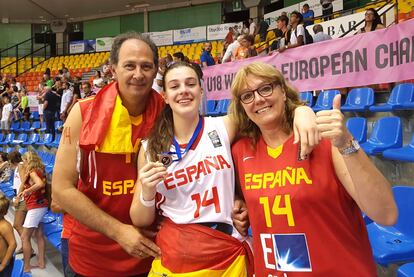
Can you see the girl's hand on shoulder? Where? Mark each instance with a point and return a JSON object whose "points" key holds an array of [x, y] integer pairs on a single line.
{"points": [[305, 130]]}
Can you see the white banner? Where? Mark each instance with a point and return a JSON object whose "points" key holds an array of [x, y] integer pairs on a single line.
{"points": [[162, 38], [315, 5], [190, 35], [336, 27], [76, 47], [104, 44], [219, 31]]}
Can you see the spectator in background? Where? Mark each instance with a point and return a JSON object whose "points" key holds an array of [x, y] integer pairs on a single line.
{"points": [[230, 54], [162, 64], [17, 84], [106, 70], [6, 114], [7, 239], [76, 96], [33, 184], [242, 51], [372, 21], [262, 31], [206, 58], [87, 89], [24, 104], [50, 109], [297, 36], [250, 44], [282, 25], [178, 57], [327, 9], [236, 31], [15, 160], [168, 59], [308, 15], [66, 101], [229, 37], [98, 81], [5, 169], [245, 29], [252, 27], [225, 45], [319, 34]]}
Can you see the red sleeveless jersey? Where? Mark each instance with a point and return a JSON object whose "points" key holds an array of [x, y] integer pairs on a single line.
{"points": [[108, 180], [303, 220], [38, 198]]}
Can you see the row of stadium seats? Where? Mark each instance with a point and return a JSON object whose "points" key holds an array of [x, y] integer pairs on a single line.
{"points": [[34, 140], [362, 99], [192, 50], [386, 138], [27, 126]]}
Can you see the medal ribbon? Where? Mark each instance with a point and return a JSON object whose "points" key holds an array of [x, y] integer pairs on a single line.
{"points": [[190, 143]]}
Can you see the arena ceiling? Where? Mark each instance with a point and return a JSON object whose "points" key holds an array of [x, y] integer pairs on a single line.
{"points": [[43, 11]]}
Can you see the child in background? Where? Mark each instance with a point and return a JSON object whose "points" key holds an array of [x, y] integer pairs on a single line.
{"points": [[6, 114], [7, 240]]}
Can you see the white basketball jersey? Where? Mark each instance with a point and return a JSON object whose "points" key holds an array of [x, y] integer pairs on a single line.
{"points": [[200, 187]]}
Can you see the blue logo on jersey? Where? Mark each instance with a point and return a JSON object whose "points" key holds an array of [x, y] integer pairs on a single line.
{"points": [[292, 253]]}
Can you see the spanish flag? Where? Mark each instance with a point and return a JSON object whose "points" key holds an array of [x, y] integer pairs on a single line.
{"points": [[106, 124], [199, 251]]}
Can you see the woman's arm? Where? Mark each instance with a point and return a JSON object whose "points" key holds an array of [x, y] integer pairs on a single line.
{"points": [[362, 180], [150, 174], [37, 184]]}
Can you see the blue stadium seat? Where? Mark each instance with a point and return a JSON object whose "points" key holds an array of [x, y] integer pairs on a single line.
{"points": [[359, 100], [32, 139], [307, 97], [47, 138], [43, 127], [34, 115], [55, 141], [395, 244], [219, 107], [17, 268], [35, 126], [325, 100], [55, 239], [225, 107], [24, 127], [386, 134], [22, 150], [211, 106], [406, 270], [15, 126], [400, 95], [20, 139], [405, 154], [58, 124], [358, 128], [9, 138]]}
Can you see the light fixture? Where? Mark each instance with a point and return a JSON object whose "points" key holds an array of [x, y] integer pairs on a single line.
{"points": [[143, 5]]}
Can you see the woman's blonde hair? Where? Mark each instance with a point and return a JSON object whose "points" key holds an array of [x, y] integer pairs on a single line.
{"points": [[33, 161], [270, 74]]}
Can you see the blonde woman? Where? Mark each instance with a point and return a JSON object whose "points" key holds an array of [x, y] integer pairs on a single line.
{"points": [[305, 213], [33, 189]]}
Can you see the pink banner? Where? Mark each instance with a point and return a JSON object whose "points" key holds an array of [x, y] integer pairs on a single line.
{"points": [[383, 56]]}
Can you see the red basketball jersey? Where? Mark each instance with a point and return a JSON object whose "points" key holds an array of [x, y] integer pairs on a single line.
{"points": [[108, 180], [303, 220]]}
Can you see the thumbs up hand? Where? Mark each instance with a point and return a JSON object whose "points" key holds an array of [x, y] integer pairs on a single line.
{"points": [[331, 125]]}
